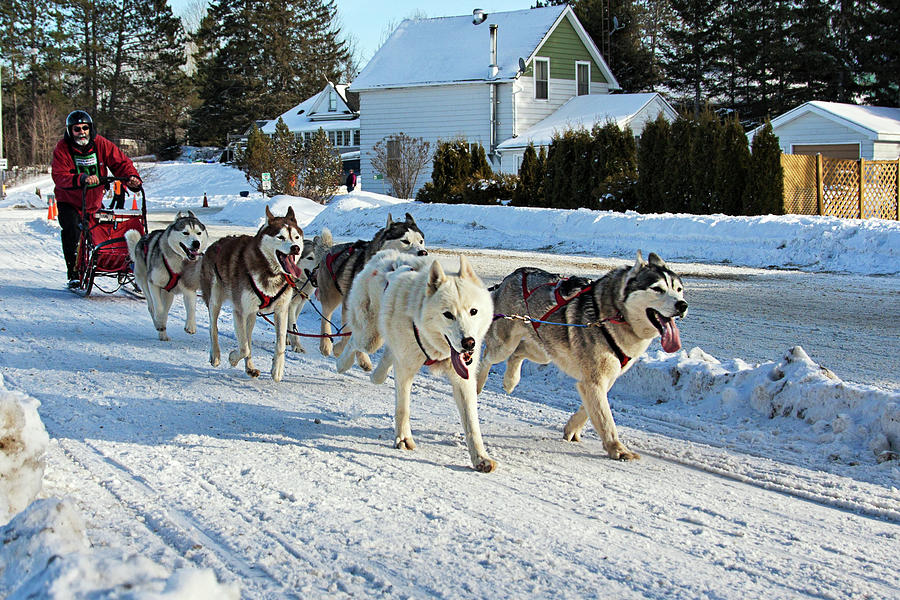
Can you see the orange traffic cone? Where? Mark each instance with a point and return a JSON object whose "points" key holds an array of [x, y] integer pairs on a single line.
{"points": [[134, 202], [55, 209], [51, 213], [205, 201]]}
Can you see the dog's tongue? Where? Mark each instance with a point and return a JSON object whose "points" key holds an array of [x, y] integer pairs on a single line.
{"points": [[458, 365], [288, 263], [671, 339]]}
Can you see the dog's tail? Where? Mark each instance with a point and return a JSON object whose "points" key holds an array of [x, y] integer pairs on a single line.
{"points": [[322, 243], [132, 238]]}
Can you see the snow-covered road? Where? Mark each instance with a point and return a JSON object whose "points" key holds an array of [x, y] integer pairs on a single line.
{"points": [[294, 490]]}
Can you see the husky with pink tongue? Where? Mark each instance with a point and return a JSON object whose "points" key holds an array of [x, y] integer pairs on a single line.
{"points": [[256, 274], [592, 330], [432, 318]]}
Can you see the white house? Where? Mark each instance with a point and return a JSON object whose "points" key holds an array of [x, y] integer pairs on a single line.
{"points": [[583, 112], [484, 78], [332, 110], [836, 130]]}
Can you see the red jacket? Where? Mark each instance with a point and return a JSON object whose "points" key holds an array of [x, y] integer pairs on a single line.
{"points": [[66, 176]]}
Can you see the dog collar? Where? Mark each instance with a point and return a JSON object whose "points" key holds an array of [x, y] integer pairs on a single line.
{"points": [[428, 359]]}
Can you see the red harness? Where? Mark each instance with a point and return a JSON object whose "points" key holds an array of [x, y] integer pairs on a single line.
{"points": [[173, 276], [331, 257], [561, 301], [266, 301]]}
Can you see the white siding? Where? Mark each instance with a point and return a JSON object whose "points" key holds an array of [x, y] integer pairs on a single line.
{"points": [[814, 129], [434, 113], [886, 151], [530, 111]]}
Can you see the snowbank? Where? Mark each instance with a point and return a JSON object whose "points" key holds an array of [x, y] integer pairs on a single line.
{"points": [[23, 443], [45, 552]]}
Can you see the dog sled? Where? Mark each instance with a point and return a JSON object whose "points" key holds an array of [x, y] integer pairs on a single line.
{"points": [[102, 253]]}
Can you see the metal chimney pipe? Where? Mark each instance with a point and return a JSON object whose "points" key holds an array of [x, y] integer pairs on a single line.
{"points": [[494, 67]]}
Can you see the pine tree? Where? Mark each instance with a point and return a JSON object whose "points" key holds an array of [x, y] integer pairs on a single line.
{"points": [[692, 59], [256, 158], [651, 188], [765, 191], [320, 169], [679, 166], [257, 57], [529, 191], [285, 159], [732, 167], [704, 152], [480, 167]]}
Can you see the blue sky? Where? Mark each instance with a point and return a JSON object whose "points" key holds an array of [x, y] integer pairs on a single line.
{"points": [[368, 20]]}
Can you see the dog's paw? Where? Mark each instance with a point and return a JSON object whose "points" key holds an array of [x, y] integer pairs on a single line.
{"points": [[618, 451], [163, 336], [485, 465], [252, 372], [214, 360], [510, 381], [296, 347], [364, 362], [191, 329], [234, 357], [325, 347], [278, 369], [405, 443], [572, 435]]}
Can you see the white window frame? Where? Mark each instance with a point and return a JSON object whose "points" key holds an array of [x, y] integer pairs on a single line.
{"points": [[579, 63], [545, 61], [332, 102]]}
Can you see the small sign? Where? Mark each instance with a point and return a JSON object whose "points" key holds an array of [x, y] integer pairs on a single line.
{"points": [[267, 177], [378, 176], [4, 163], [266, 184]]}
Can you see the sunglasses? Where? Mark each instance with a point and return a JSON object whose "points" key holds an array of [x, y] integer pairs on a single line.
{"points": [[76, 128]]}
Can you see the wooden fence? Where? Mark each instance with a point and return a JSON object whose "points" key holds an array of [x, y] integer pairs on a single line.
{"points": [[852, 189]]}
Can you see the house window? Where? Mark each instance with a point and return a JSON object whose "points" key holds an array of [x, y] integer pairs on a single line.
{"points": [[332, 102], [393, 156], [583, 78], [356, 137], [542, 79]]}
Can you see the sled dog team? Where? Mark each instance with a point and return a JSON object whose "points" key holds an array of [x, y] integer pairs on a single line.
{"points": [[393, 294]]}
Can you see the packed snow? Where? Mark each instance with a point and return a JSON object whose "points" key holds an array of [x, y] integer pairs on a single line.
{"points": [[131, 468]]}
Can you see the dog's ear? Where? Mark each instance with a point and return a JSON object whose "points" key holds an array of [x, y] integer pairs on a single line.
{"points": [[638, 264], [191, 214], [180, 215], [656, 261], [390, 221], [467, 272], [436, 277], [290, 214], [409, 219], [269, 215]]}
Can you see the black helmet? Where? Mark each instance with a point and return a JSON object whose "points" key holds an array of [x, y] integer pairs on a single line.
{"points": [[75, 117]]}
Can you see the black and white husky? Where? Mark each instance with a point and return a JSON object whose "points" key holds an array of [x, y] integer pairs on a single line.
{"points": [[166, 262], [338, 265], [592, 330]]}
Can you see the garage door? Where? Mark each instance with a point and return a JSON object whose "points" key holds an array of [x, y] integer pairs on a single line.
{"points": [[841, 151]]}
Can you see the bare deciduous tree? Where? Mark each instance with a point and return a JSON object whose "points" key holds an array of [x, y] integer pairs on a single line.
{"points": [[44, 131], [401, 158]]}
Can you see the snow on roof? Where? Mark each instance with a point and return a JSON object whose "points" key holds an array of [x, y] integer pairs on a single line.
{"points": [[298, 117], [878, 122], [582, 112], [453, 49]]}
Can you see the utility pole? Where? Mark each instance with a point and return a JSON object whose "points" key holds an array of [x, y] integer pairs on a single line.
{"points": [[2, 159]]}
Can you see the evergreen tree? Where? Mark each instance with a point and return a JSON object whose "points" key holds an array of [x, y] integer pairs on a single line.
{"points": [[731, 167], [530, 188], [320, 168], [704, 152], [692, 60], [651, 165], [765, 191], [679, 166], [256, 57], [256, 158], [615, 167], [285, 159], [480, 167], [879, 56]]}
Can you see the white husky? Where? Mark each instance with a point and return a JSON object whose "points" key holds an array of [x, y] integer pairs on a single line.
{"points": [[430, 318], [364, 304], [166, 262]]}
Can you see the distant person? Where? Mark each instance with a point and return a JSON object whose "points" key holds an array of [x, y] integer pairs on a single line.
{"points": [[79, 160], [351, 181], [118, 199]]}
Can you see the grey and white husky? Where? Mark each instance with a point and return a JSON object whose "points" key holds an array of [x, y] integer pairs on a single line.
{"points": [[593, 330], [338, 265], [306, 262], [256, 274], [166, 262]]}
